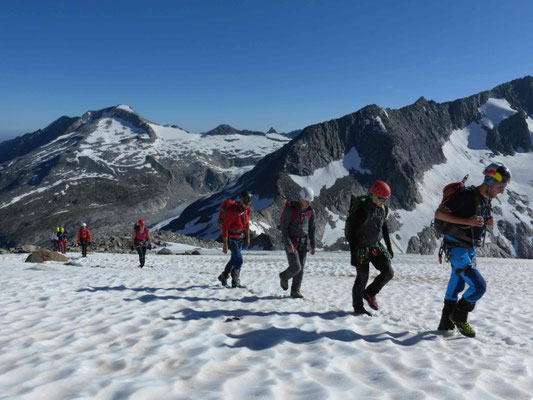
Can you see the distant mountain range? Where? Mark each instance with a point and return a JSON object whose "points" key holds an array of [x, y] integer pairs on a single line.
{"points": [[417, 149], [111, 167]]}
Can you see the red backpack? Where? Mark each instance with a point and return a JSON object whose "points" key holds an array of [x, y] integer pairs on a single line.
{"points": [[294, 205], [449, 190], [224, 206]]}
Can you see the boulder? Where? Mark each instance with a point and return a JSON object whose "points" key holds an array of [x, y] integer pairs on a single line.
{"points": [[45, 255], [164, 251]]}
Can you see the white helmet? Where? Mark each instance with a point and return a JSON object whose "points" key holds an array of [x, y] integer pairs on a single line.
{"points": [[306, 193], [83, 224]]}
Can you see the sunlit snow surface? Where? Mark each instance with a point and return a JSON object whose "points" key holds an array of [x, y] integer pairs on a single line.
{"points": [[107, 330]]}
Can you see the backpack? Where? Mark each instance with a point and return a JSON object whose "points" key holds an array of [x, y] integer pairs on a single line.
{"points": [[442, 227], [224, 206], [294, 205], [355, 204]]}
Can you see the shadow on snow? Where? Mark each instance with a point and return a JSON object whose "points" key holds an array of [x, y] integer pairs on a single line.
{"points": [[263, 339]]}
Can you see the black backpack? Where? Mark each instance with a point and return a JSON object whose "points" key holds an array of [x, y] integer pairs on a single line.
{"points": [[355, 203]]}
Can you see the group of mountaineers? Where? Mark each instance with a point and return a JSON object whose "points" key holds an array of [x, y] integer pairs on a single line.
{"points": [[462, 219]]}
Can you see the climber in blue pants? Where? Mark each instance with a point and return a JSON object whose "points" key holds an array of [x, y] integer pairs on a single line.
{"points": [[464, 217]]}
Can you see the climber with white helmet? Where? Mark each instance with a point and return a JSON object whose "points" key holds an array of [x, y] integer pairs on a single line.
{"points": [[297, 225]]}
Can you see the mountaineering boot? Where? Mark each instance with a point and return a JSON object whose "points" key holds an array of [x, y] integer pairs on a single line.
{"points": [[361, 311], [284, 283], [371, 301], [296, 294], [464, 328], [459, 316], [235, 278], [223, 279], [445, 323]]}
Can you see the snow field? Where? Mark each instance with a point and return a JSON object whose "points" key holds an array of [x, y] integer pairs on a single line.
{"points": [[106, 329]]}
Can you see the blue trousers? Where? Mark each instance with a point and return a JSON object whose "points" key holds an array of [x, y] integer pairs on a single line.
{"points": [[464, 271], [235, 246]]}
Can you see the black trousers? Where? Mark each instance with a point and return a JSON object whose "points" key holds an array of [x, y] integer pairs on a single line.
{"points": [[84, 245], [142, 253], [383, 265]]}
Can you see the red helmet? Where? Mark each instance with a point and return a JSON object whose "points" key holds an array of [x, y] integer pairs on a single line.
{"points": [[141, 222], [380, 189]]}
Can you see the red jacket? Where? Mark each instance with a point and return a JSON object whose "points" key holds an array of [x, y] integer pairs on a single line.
{"points": [[84, 235], [237, 221]]}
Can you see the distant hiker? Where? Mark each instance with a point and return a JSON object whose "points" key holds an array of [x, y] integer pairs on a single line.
{"points": [[141, 240], [55, 239], [466, 214], [297, 225], [365, 227], [234, 221], [84, 239], [62, 240]]}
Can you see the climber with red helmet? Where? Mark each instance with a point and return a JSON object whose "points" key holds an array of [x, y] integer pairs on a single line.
{"points": [[365, 227], [141, 240]]}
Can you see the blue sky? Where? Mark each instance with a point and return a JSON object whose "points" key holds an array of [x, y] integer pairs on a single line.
{"points": [[251, 63]]}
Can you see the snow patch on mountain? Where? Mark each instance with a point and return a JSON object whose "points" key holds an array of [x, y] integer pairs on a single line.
{"points": [[495, 111], [328, 175], [477, 137], [334, 228], [259, 227], [381, 124], [125, 108], [235, 145], [529, 121]]}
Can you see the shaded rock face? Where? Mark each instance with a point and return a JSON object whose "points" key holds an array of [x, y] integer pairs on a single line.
{"points": [[397, 146], [45, 255], [109, 168]]}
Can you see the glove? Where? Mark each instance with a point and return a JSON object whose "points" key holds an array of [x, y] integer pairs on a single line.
{"points": [[149, 246], [391, 253], [131, 247]]}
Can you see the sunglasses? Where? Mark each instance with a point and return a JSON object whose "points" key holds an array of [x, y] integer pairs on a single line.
{"points": [[382, 198]]}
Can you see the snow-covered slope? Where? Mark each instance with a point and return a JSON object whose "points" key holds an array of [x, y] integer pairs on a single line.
{"points": [[104, 329]]}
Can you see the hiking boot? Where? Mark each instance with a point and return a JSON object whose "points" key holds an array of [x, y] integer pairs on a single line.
{"points": [[236, 278], [445, 324], [464, 328], [372, 303], [223, 279], [284, 283], [361, 311], [296, 294]]}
